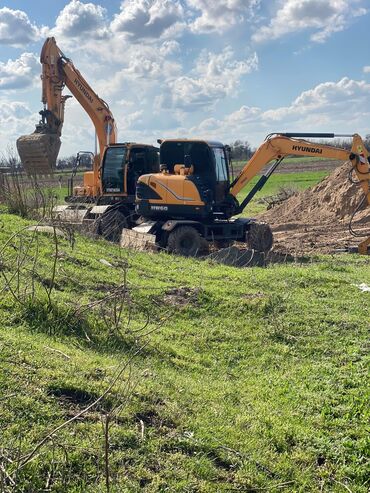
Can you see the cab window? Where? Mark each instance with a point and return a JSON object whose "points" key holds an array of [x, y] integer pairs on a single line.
{"points": [[113, 169], [153, 161], [221, 164]]}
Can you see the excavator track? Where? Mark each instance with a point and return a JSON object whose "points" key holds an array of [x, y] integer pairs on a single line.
{"points": [[39, 152]]}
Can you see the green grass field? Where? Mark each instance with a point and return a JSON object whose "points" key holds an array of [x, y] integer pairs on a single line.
{"points": [[295, 181], [239, 380]]}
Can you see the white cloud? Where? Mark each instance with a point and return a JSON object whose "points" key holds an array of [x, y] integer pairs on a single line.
{"points": [[366, 69], [335, 99], [324, 16], [13, 110], [147, 18], [20, 73], [342, 106], [16, 119], [169, 47], [221, 15], [146, 70], [79, 19], [215, 76], [16, 29]]}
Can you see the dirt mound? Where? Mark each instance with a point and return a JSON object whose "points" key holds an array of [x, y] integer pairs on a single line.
{"points": [[317, 218], [334, 198]]}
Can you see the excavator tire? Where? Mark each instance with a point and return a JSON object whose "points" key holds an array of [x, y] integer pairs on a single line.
{"points": [[259, 237], [111, 224], [38, 152], [185, 240]]}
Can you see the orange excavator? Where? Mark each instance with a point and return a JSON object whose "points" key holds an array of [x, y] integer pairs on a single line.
{"points": [[192, 200], [116, 167], [39, 150]]}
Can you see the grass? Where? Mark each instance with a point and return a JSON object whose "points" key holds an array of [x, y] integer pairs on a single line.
{"points": [[296, 181], [251, 380]]}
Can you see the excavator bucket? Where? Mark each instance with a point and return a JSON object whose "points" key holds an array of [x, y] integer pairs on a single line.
{"points": [[39, 152]]}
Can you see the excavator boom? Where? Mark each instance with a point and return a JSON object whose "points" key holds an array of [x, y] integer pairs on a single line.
{"points": [[282, 145], [39, 150]]}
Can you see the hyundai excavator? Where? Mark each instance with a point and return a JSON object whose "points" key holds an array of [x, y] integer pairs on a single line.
{"points": [[112, 182], [191, 201]]}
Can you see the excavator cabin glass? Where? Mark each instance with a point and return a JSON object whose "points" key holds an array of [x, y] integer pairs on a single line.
{"points": [[137, 160], [113, 169], [208, 161]]}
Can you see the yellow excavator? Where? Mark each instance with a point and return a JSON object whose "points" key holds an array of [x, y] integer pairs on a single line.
{"points": [[192, 200], [111, 184]]}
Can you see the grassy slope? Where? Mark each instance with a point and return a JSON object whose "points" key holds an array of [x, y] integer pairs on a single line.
{"points": [[257, 382]]}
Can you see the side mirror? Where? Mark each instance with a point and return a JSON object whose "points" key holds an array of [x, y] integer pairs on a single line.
{"points": [[187, 161]]}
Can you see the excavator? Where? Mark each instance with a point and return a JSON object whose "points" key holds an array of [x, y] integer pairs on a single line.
{"points": [[111, 184], [192, 202]]}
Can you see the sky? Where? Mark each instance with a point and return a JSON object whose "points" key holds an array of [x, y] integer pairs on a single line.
{"points": [[220, 69]]}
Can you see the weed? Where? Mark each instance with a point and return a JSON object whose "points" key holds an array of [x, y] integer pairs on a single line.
{"points": [[258, 382]]}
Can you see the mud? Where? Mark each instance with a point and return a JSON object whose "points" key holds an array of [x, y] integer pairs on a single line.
{"points": [[317, 219], [181, 296]]}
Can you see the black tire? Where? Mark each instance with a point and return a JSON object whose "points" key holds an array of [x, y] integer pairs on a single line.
{"points": [[111, 224], [185, 240], [259, 237]]}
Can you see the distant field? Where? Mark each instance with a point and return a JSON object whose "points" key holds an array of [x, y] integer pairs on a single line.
{"points": [[297, 164], [298, 181]]}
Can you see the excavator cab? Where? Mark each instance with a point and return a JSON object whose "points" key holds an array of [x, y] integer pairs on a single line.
{"points": [[194, 180], [206, 161], [122, 165]]}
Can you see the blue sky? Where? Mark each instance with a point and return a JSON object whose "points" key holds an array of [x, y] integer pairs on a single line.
{"points": [[220, 69]]}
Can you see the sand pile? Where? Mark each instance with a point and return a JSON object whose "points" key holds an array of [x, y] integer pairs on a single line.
{"points": [[318, 218], [335, 198]]}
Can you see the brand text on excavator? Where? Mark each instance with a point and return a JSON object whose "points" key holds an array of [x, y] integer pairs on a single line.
{"points": [[83, 90], [307, 149]]}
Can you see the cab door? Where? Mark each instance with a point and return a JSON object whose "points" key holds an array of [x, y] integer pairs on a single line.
{"points": [[222, 174], [113, 170]]}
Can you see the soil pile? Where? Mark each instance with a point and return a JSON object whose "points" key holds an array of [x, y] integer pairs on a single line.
{"points": [[317, 219]]}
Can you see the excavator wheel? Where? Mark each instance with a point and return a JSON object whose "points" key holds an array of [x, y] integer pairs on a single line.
{"points": [[111, 224], [259, 237], [186, 241]]}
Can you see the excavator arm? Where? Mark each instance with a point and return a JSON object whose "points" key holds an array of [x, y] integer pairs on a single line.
{"points": [[281, 145], [39, 151]]}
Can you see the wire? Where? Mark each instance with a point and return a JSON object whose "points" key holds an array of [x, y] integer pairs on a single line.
{"points": [[362, 201], [350, 227]]}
